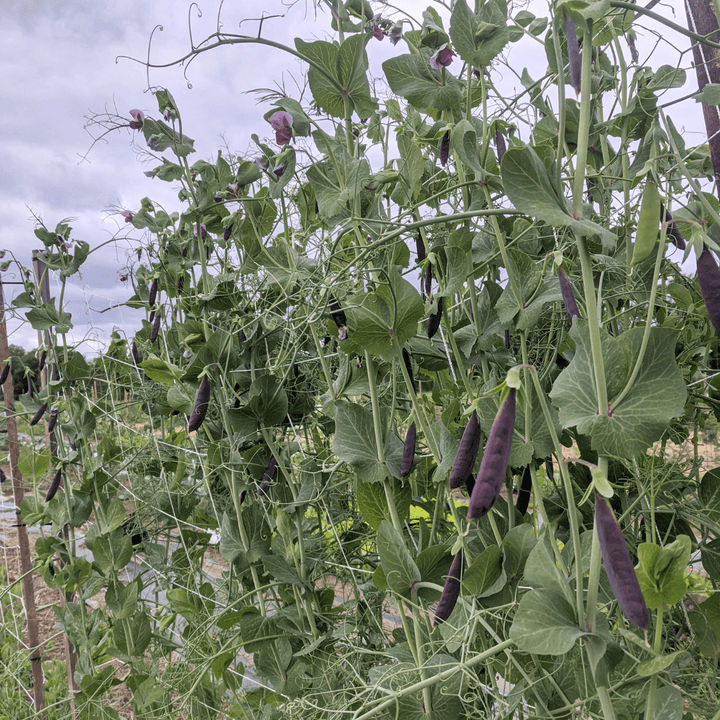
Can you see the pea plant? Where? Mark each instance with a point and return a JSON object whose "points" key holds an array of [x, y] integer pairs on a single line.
{"points": [[423, 364]]}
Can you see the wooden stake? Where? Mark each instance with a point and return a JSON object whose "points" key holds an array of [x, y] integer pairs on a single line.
{"points": [[28, 587]]}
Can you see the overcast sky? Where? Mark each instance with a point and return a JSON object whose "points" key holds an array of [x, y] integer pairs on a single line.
{"points": [[58, 61]]}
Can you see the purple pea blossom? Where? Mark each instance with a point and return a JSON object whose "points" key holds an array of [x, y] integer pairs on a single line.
{"points": [[395, 33], [154, 142], [442, 58], [137, 122], [203, 231], [127, 214], [281, 122], [378, 33]]}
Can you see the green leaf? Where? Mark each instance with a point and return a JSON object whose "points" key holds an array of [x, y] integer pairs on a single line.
{"points": [[709, 493], [272, 659], [347, 66], [33, 464], [399, 568], [479, 39], [517, 546], [161, 371], [668, 704], [354, 443], [412, 78], [463, 140], [133, 636], [445, 697], [411, 166], [180, 398], [710, 94], [658, 664], [372, 502], [483, 572], [387, 317], [266, 401], [661, 571], [657, 395], [122, 599], [710, 556], [545, 624], [530, 188], [542, 572], [231, 546], [112, 552]]}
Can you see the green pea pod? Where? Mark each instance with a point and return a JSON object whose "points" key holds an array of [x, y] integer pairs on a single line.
{"points": [[647, 230]]}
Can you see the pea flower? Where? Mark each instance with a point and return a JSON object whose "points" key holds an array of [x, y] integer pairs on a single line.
{"points": [[442, 58], [137, 122], [127, 214], [281, 122], [395, 33]]}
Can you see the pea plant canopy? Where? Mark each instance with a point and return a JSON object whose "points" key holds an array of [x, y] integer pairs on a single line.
{"points": [[414, 263]]}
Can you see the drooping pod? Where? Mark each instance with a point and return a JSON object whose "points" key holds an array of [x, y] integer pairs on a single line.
{"points": [[523, 498], [268, 476], [709, 279], [467, 453], [618, 565], [41, 362], [54, 485], [53, 420], [445, 148], [434, 320], [408, 367], [155, 329], [500, 144], [673, 233], [3, 477], [38, 415], [135, 354], [573, 48], [427, 287], [408, 455], [420, 247], [202, 401], [451, 590], [646, 236], [153, 293], [494, 464], [571, 306], [5, 373]]}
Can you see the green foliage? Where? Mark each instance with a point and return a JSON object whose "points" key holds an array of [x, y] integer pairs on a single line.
{"points": [[275, 545]]}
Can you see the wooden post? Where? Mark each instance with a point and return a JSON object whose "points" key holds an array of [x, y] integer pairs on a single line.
{"points": [[28, 587], [42, 282]]}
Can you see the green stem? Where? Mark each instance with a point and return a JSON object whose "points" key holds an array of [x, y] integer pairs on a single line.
{"points": [[434, 680], [657, 647], [583, 124], [648, 322]]}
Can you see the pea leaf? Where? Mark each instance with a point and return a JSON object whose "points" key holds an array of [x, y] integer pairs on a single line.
{"points": [[411, 77], [479, 38], [387, 317], [483, 572], [354, 443], [657, 395], [347, 64], [531, 190], [372, 502], [545, 624], [399, 568], [661, 572]]}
